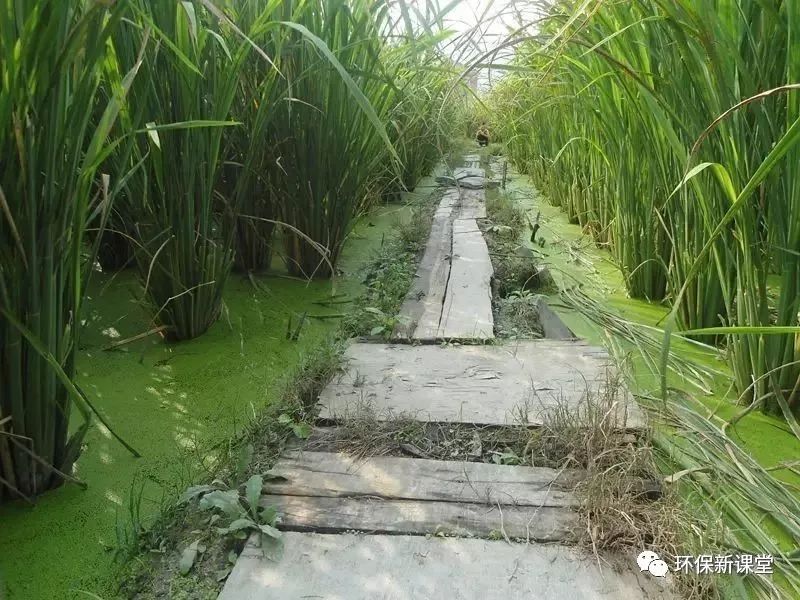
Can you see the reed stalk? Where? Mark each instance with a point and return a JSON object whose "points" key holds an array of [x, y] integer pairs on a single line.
{"points": [[53, 57], [645, 121]]}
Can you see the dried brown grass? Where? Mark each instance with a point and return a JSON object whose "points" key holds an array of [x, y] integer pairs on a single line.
{"points": [[624, 505]]}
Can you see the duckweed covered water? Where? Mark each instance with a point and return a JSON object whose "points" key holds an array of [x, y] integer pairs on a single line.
{"points": [[574, 259], [173, 403]]}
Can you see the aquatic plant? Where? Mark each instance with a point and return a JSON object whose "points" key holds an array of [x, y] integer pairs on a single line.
{"points": [[184, 95], [180, 134], [53, 56], [668, 130]]}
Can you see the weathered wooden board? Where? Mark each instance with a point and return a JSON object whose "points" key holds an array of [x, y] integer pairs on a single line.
{"points": [[491, 384], [467, 178], [467, 310], [472, 205], [462, 172], [444, 303], [417, 517], [422, 308], [378, 567], [471, 161], [552, 325], [337, 475]]}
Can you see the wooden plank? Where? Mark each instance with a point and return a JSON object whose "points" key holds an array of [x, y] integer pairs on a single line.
{"points": [[490, 384], [467, 178], [462, 172], [379, 567], [427, 312], [467, 310], [473, 205], [337, 475], [552, 325], [471, 161], [422, 308], [417, 517]]}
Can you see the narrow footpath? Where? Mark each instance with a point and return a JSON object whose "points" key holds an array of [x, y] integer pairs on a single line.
{"points": [[407, 528]]}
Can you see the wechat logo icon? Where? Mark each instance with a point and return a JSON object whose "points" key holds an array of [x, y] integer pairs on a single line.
{"points": [[650, 562]]}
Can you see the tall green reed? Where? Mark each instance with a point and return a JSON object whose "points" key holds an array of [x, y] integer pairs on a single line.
{"points": [[303, 113], [618, 109], [53, 56], [249, 157], [327, 130], [184, 226]]}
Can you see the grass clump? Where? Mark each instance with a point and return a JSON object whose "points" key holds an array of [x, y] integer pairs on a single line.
{"points": [[185, 249], [625, 505], [389, 275], [515, 268], [495, 149], [53, 56], [516, 271], [514, 261], [505, 214], [517, 316]]}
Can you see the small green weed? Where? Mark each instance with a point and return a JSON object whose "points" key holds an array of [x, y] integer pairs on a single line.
{"points": [[517, 315], [389, 276], [235, 514]]}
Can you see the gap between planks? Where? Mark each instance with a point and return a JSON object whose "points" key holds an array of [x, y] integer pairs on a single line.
{"points": [[416, 517]]}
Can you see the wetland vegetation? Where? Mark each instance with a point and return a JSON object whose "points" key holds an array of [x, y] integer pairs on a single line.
{"points": [[197, 196]]}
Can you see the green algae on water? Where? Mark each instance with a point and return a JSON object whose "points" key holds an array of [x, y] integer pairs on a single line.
{"points": [[173, 403]]}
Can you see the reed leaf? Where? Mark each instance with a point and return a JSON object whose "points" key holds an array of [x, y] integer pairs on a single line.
{"points": [[53, 57]]}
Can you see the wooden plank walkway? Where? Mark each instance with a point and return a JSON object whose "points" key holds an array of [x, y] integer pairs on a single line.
{"points": [[323, 491], [380, 567], [405, 504], [334, 475], [451, 294], [422, 308], [489, 385], [467, 309]]}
